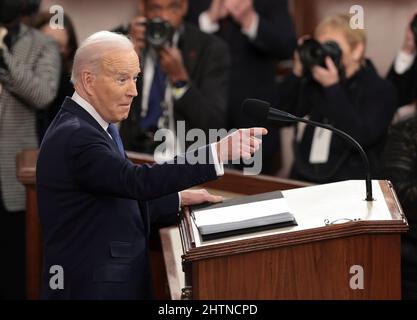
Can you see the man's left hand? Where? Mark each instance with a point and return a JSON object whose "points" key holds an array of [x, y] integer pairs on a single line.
{"points": [[326, 76], [171, 62], [193, 197]]}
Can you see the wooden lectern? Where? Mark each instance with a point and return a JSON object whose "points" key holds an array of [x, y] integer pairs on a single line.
{"points": [[343, 248]]}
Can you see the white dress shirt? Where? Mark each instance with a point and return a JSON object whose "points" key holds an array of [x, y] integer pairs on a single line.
{"points": [[91, 110]]}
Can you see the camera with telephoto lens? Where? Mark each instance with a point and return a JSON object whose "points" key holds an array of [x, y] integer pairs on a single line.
{"points": [[313, 53], [158, 32], [413, 27]]}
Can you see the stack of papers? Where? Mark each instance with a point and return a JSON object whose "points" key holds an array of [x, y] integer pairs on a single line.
{"points": [[242, 215]]}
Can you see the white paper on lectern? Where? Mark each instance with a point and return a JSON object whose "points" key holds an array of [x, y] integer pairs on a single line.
{"points": [[242, 212]]}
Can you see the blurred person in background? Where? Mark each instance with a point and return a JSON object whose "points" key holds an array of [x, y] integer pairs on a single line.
{"points": [[400, 167], [185, 77], [339, 87], [259, 34], [400, 154], [29, 77], [66, 39], [403, 72]]}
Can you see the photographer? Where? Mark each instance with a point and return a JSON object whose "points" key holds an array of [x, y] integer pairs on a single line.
{"points": [[403, 72], [333, 83], [29, 77], [185, 76], [259, 34], [400, 156], [399, 166]]}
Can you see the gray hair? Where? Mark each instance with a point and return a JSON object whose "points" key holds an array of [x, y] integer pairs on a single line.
{"points": [[92, 50]]}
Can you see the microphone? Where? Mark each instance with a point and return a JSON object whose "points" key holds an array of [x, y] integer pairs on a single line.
{"points": [[262, 111]]}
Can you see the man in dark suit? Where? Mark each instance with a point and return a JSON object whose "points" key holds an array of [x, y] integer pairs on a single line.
{"points": [[186, 79], [95, 206], [259, 33]]}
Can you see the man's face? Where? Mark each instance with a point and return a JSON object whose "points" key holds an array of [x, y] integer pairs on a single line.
{"points": [[172, 11], [114, 87]]}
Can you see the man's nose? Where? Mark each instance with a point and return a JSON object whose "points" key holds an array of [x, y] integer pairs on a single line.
{"points": [[132, 91]]}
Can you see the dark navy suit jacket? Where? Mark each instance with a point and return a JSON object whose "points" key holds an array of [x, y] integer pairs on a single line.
{"points": [[95, 207]]}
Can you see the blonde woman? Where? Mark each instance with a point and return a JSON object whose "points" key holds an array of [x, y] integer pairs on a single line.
{"points": [[346, 93]]}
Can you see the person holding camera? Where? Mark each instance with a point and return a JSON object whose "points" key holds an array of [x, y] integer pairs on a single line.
{"points": [[399, 166], [185, 76], [403, 72], [333, 83], [29, 77], [259, 34], [400, 156]]}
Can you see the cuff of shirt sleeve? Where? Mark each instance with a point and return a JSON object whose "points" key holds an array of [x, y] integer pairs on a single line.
{"points": [[403, 62], [178, 93], [206, 24], [179, 201], [218, 166], [252, 31]]}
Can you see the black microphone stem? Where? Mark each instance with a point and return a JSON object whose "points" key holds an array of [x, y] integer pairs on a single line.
{"points": [[345, 135]]}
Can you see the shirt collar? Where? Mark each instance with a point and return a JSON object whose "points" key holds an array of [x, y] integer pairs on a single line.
{"points": [[90, 109]]}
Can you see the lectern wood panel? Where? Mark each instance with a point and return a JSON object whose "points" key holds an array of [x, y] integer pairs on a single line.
{"points": [[303, 271]]}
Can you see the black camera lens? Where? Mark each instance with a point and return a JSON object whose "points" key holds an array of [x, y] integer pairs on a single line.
{"points": [[332, 49], [313, 53], [158, 32], [413, 27]]}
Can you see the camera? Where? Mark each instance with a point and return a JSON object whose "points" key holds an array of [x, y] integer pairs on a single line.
{"points": [[313, 53], [158, 32], [413, 27]]}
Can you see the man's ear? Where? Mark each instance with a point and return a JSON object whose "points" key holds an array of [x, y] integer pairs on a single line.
{"points": [[87, 80]]}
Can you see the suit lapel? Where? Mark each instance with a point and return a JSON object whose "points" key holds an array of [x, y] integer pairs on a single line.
{"points": [[72, 107]]}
